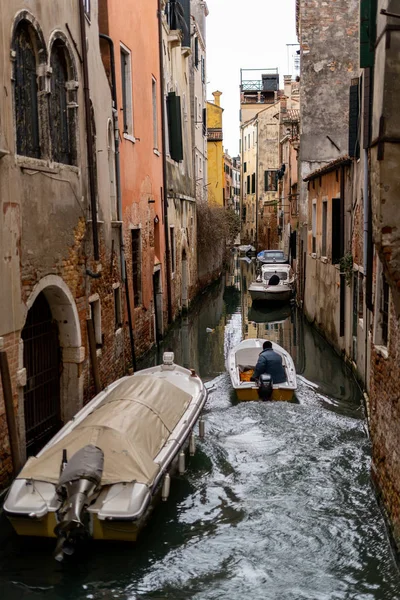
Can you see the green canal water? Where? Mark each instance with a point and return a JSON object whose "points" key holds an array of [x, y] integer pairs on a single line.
{"points": [[276, 504]]}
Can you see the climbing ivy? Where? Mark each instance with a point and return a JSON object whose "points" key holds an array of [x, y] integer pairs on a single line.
{"points": [[346, 267]]}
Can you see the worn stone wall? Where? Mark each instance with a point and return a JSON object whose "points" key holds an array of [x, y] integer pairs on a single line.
{"points": [[45, 230], [385, 422]]}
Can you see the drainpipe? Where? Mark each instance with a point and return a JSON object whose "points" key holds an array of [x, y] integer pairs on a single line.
{"points": [[164, 163], [366, 263], [110, 43], [89, 146], [257, 187]]}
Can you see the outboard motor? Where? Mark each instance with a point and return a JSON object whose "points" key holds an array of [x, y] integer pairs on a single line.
{"points": [[77, 487], [274, 279], [265, 387]]}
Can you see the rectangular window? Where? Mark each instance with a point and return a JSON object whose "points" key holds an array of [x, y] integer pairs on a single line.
{"points": [[136, 266], [196, 52], [385, 311], [248, 184], [360, 295], [155, 115], [248, 141], [336, 228], [354, 121], [95, 315], [245, 142], [126, 79], [174, 114], [324, 227], [172, 241], [314, 228], [196, 115], [117, 306], [203, 70], [270, 181], [204, 121], [253, 183], [244, 167]]}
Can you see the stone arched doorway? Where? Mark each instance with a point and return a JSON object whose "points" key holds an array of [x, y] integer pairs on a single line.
{"points": [[43, 363], [52, 359]]}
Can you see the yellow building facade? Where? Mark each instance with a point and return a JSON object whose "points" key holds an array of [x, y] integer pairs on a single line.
{"points": [[215, 151]]}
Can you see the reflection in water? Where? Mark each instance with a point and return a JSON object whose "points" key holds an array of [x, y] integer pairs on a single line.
{"points": [[276, 504]]}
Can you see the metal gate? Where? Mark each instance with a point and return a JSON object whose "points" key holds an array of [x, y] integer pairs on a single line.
{"points": [[42, 362]]}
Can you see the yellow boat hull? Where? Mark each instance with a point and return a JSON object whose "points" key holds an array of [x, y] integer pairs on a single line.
{"points": [[283, 395], [121, 531]]}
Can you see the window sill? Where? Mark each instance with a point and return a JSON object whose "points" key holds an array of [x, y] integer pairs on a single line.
{"points": [[129, 137], [98, 352], [382, 351], [324, 259], [118, 332], [115, 223], [156, 152], [313, 255]]}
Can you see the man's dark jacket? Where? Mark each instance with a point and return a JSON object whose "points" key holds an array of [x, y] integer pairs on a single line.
{"points": [[270, 362]]}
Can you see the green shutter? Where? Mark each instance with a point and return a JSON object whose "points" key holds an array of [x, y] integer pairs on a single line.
{"points": [[368, 10], [175, 126]]}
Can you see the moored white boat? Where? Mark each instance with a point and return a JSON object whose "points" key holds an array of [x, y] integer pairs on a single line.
{"points": [[241, 362], [275, 283], [120, 450]]}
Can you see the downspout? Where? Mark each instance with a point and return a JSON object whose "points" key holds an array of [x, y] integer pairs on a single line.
{"points": [[164, 163], [367, 275], [92, 183], [110, 43], [257, 186]]}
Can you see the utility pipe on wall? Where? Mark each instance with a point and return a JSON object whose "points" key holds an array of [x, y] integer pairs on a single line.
{"points": [[124, 276], [164, 163], [86, 93]]}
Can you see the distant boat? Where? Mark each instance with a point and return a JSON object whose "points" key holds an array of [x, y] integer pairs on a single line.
{"points": [[247, 249], [241, 363], [269, 257], [275, 283], [100, 476]]}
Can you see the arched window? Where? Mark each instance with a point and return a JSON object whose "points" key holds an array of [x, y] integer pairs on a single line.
{"points": [[26, 89], [59, 118]]}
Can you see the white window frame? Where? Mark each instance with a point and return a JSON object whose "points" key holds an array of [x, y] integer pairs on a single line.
{"points": [[155, 113], [95, 314], [127, 101]]}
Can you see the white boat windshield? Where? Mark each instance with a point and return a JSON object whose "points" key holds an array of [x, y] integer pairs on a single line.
{"points": [[283, 275]]}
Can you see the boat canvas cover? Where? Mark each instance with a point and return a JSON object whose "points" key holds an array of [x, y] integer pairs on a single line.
{"points": [[130, 425]]}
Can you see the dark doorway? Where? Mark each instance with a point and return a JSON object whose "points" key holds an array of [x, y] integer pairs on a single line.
{"points": [[42, 360]]}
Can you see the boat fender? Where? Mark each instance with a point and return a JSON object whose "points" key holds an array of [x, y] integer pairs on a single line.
{"points": [[202, 428], [181, 462], [192, 444], [166, 488]]}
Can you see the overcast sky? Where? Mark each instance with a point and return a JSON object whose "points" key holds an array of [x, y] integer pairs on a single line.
{"points": [[245, 34]]}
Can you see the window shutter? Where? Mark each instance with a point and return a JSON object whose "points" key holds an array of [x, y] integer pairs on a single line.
{"points": [[354, 109], [336, 254], [265, 181], [366, 107], [186, 30], [175, 126], [204, 121], [253, 183], [368, 10], [196, 52]]}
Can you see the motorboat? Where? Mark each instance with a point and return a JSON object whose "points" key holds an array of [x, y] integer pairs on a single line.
{"points": [[241, 363], [264, 313], [247, 250], [274, 283], [101, 475], [270, 257]]}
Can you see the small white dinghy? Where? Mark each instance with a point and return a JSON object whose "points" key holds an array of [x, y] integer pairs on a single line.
{"points": [[101, 474]]}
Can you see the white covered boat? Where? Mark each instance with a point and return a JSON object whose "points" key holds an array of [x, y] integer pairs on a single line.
{"points": [[275, 283], [241, 363], [100, 475]]}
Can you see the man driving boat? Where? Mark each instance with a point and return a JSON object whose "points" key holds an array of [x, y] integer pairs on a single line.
{"points": [[270, 362]]}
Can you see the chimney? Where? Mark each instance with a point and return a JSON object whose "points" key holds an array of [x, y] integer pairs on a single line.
{"points": [[217, 98], [287, 82]]}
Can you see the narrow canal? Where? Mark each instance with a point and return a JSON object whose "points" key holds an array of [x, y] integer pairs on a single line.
{"points": [[277, 503]]}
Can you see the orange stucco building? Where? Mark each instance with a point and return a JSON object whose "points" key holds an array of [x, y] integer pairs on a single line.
{"points": [[132, 26]]}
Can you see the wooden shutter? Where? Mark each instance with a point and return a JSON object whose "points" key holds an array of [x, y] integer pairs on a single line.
{"points": [[354, 120], [253, 183], [366, 117], [175, 126], [266, 188], [368, 10], [336, 253]]}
